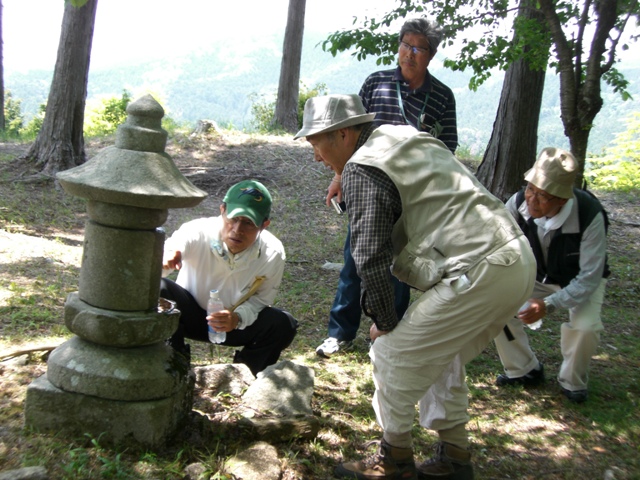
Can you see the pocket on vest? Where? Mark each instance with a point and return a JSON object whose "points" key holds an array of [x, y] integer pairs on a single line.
{"points": [[419, 272], [504, 257]]}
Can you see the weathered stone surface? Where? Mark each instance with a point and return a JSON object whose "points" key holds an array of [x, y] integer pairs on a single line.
{"points": [[277, 405], [196, 471], [156, 180], [281, 429], [283, 389], [259, 461], [136, 395], [129, 374], [121, 269], [145, 424], [206, 127], [26, 473], [142, 129], [232, 378], [121, 216], [136, 171], [118, 329]]}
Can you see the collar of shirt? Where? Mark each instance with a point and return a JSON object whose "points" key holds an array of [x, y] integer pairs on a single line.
{"points": [[426, 84], [364, 135]]}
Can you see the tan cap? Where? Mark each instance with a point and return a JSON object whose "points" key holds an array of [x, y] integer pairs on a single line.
{"points": [[554, 172], [332, 112]]}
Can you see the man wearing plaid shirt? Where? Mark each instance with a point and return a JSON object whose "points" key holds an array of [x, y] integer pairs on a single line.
{"points": [[405, 95], [418, 214]]}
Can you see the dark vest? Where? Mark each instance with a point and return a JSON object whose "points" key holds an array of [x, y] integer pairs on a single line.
{"points": [[563, 258]]}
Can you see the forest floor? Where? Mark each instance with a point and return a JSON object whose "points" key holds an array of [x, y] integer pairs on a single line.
{"points": [[515, 433]]}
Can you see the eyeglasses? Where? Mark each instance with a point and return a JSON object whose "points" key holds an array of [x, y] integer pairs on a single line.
{"points": [[541, 195], [415, 50]]}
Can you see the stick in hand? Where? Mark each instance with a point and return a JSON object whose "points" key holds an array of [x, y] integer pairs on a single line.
{"points": [[254, 287]]}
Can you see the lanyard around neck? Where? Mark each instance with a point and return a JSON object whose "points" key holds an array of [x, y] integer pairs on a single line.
{"points": [[401, 106]]}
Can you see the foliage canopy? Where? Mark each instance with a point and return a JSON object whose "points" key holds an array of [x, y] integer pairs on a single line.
{"points": [[586, 36], [482, 31]]}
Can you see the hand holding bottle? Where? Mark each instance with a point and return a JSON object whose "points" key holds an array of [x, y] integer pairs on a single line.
{"points": [[215, 308], [223, 320], [531, 313]]}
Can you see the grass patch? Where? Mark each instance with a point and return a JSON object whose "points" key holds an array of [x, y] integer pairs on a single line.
{"points": [[515, 433]]}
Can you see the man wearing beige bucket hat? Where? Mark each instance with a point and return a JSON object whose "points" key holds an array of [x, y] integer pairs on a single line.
{"points": [[418, 214], [567, 231]]}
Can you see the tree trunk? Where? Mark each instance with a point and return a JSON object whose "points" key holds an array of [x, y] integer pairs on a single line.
{"points": [[286, 114], [578, 141], [60, 142], [512, 148], [580, 84], [2, 119]]}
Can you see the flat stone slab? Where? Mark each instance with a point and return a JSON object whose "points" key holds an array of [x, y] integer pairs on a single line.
{"points": [[283, 389], [231, 378], [145, 424], [260, 460]]}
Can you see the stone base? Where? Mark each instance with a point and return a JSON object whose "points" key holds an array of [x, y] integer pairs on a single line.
{"points": [[146, 424]]}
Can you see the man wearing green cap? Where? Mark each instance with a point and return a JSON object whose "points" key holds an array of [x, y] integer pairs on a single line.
{"points": [[228, 253]]}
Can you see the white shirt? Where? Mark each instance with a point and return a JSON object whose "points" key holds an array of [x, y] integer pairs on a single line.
{"points": [[592, 250], [207, 264]]}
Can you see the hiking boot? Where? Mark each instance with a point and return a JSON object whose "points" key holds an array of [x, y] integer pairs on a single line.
{"points": [[533, 378], [333, 345], [576, 396], [449, 463], [388, 462]]}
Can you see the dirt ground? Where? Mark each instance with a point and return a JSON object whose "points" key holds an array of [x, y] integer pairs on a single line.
{"points": [[42, 245]]}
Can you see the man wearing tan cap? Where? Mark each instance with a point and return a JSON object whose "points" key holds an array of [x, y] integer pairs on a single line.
{"points": [[418, 214], [567, 231]]}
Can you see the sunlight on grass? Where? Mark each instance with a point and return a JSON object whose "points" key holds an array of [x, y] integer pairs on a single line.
{"points": [[515, 433]]}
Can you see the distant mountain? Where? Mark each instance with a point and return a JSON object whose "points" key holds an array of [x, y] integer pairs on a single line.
{"points": [[217, 84]]}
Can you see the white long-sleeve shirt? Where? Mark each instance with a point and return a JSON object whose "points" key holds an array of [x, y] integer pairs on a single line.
{"points": [[592, 250], [207, 264]]}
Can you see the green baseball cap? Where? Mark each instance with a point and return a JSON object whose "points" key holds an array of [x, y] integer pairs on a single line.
{"points": [[250, 199]]}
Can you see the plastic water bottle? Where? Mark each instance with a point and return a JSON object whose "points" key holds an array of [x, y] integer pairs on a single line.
{"points": [[215, 305], [534, 325]]}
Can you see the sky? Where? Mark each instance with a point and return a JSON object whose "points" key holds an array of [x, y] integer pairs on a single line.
{"points": [[131, 30], [127, 31]]}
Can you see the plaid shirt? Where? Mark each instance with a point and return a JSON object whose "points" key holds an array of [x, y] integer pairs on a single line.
{"points": [[379, 94], [374, 206]]}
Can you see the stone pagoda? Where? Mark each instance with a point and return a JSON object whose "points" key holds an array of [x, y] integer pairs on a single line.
{"points": [[116, 379]]}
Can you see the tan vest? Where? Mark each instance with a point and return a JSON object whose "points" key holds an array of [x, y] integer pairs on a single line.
{"points": [[449, 221]]}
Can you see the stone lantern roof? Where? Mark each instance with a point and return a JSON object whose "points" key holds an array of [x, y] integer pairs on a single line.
{"points": [[136, 171]]}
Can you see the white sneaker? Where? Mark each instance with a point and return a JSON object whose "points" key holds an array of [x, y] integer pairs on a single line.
{"points": [[333, 345]]}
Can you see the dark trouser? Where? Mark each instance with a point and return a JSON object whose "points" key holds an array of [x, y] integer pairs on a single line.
{"points": [[344, 317], [263, 341]]}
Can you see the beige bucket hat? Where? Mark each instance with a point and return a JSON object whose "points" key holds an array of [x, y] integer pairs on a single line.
{"points": [[331, 112], [554, 172]]}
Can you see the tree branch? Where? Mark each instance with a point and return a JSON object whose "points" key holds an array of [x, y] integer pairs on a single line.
{"points": [[19, 353]]}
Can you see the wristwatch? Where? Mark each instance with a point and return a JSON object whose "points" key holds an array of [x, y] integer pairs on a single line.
{"points": [[549, 307]]}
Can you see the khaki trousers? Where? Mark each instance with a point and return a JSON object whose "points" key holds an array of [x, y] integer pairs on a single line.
{"points": [[422, 359], [579, 339]]}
